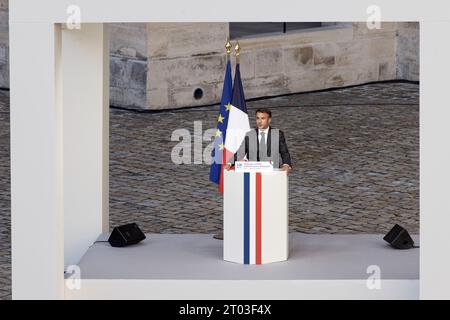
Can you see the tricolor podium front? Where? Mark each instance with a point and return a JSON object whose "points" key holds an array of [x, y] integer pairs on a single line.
{"points": [[256, 219]]}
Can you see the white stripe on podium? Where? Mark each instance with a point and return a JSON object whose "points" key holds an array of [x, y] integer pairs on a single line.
{"points": [[274, 218], [233, 224], [252, 218]]}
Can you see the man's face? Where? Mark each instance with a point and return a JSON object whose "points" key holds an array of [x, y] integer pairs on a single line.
{"points": [[262, 120]]}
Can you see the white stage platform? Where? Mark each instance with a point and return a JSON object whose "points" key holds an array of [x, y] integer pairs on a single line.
{"points": [[167, 266]]}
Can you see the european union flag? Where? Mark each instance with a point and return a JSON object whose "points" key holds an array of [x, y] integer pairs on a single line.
{"points": [[222, 123]]}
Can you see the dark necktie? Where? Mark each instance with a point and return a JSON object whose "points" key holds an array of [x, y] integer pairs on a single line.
{"points": [[263, 148]]}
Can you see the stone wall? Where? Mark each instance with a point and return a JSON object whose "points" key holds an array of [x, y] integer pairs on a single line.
{"points": [[128, 65], [184, 58], [408, 60], [318, 59], [4, 45], [161, 65]]}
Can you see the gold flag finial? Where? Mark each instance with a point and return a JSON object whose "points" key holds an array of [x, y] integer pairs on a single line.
{"points": [[228, 46], [237, 48]]}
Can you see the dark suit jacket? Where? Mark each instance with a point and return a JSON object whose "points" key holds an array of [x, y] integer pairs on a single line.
{"points": [[250, 144]]}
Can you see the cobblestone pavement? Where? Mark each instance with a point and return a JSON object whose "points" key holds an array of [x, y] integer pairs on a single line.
{"points": [[355, 156], [5, 199]]}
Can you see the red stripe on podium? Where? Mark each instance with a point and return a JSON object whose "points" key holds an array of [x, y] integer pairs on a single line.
{"points": [[258, 219]]}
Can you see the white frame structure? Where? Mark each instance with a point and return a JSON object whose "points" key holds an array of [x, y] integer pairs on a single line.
{"points": [[59, 146], [59, 143], [59, 156]]}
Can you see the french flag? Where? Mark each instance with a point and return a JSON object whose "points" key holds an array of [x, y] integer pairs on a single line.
{"points": [[238, 122], [232, 126]]}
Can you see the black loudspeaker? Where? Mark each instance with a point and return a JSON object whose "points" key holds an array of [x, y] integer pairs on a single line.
{"points": [[126, 235], [399, 238]]}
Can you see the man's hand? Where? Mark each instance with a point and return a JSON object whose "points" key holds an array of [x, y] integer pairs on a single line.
{"points": [[287, 168], [227, 166]]}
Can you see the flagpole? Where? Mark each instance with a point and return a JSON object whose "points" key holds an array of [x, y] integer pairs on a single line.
{"points": [[237, 49], [228, 46]]}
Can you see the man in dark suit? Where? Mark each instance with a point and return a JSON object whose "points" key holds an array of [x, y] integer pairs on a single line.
{"points": [[264, 143]]}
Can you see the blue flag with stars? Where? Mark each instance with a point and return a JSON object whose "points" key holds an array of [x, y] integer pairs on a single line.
{"points": [[222, 122]]}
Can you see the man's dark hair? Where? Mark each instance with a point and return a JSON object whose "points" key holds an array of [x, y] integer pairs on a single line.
{"points": [[264, 110]]}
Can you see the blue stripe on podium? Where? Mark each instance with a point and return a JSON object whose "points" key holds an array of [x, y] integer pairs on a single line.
{"points": [[246, 218]]}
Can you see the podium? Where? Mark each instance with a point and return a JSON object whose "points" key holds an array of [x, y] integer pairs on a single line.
{"points": [[256, 218]]}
